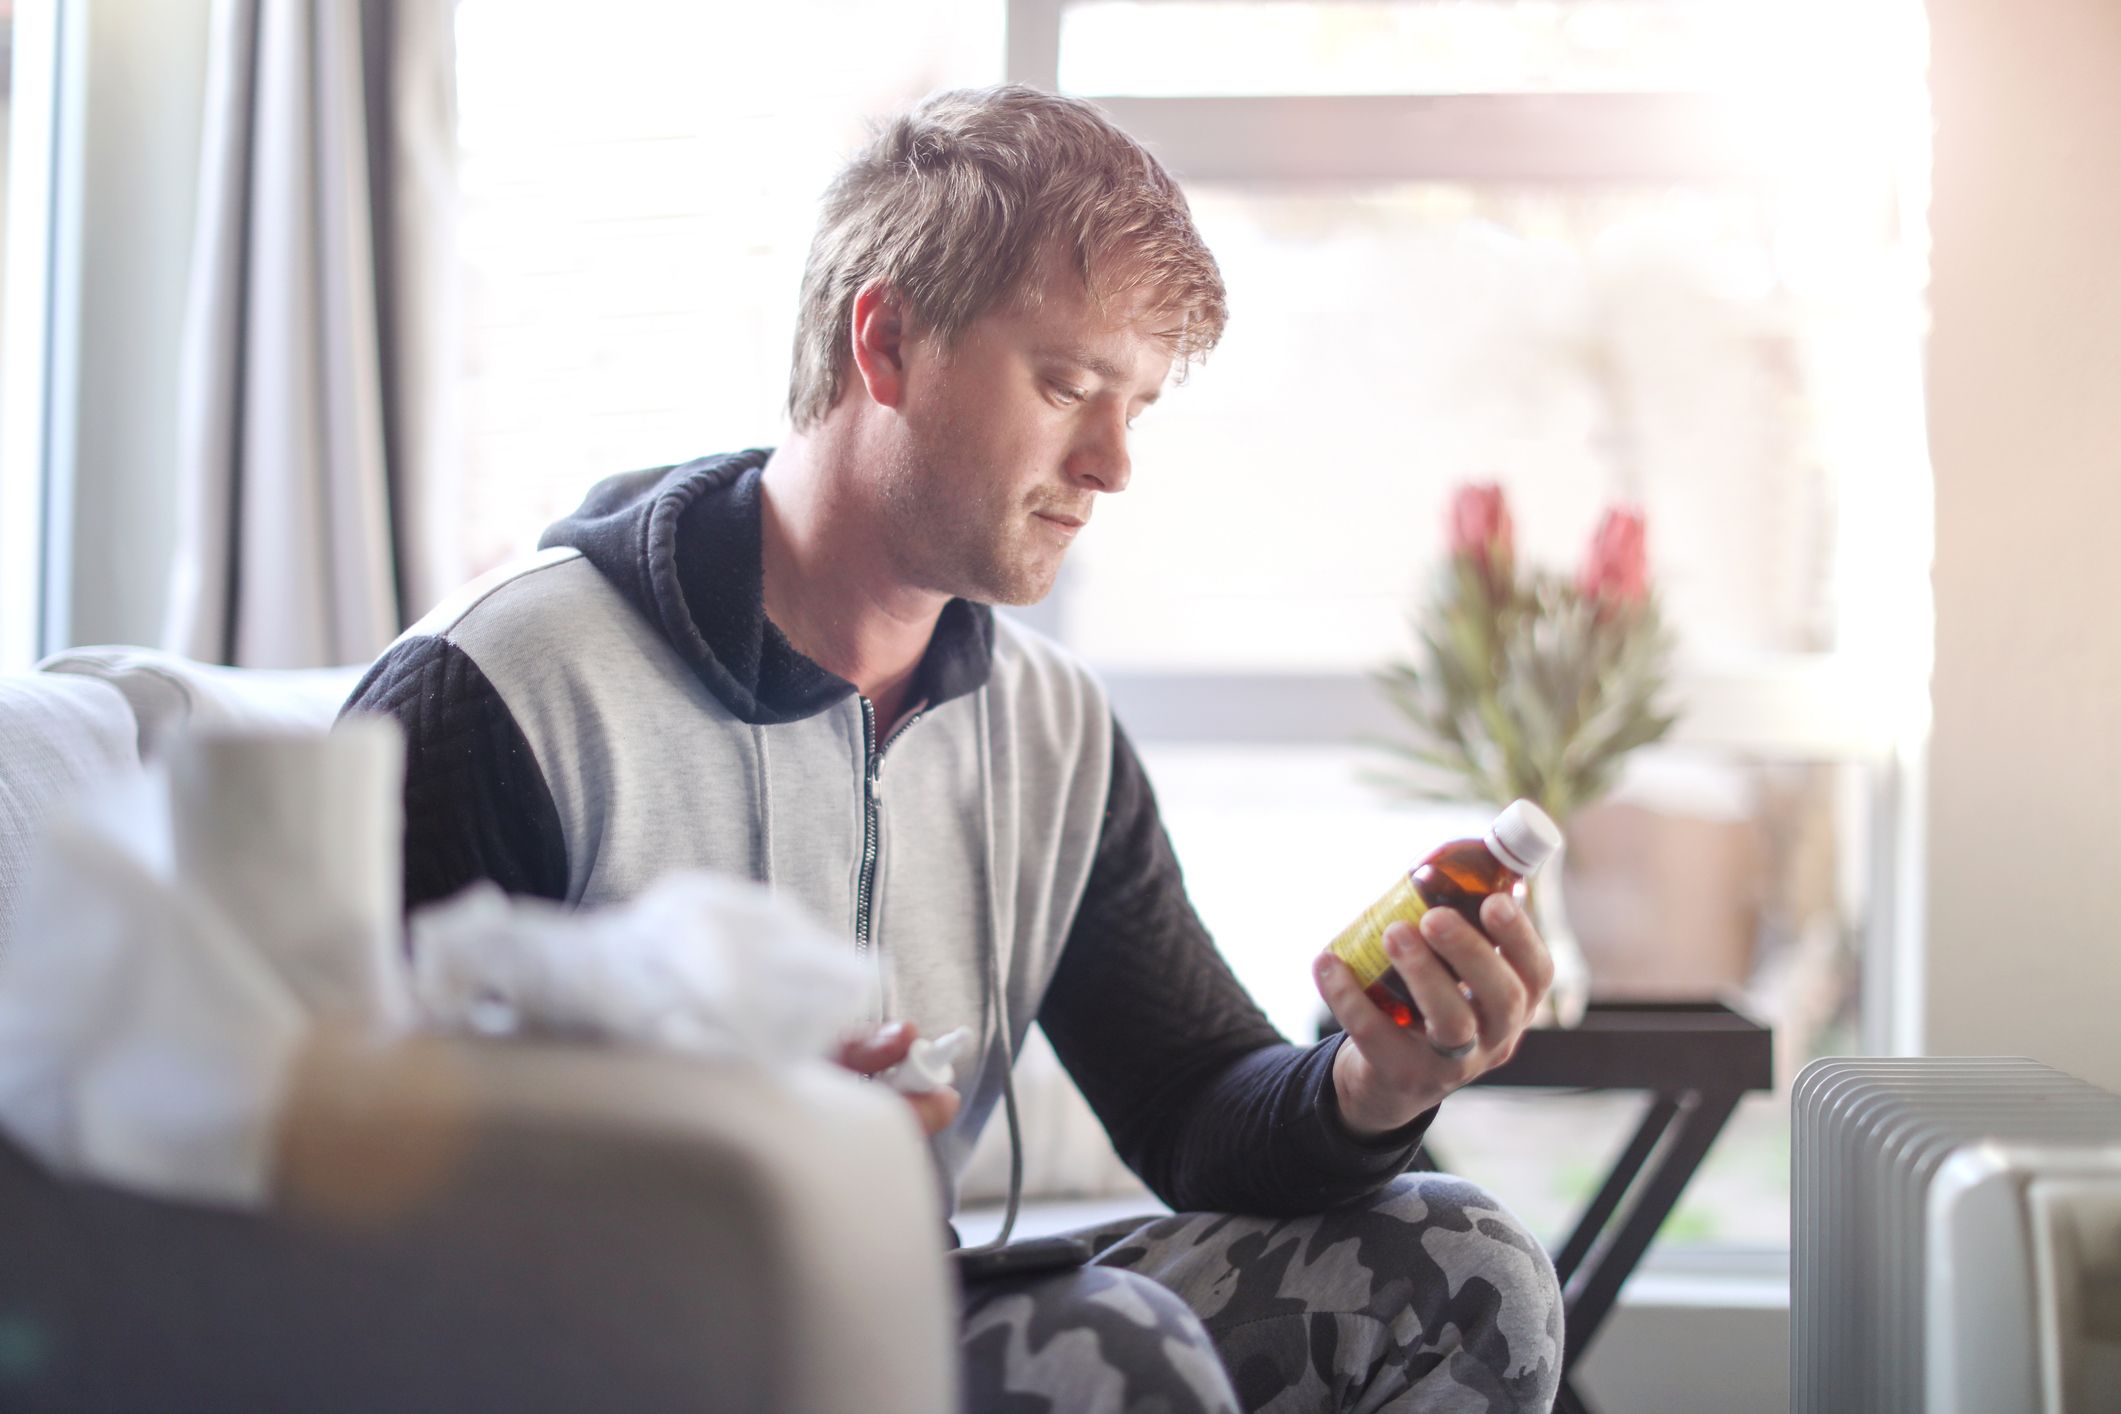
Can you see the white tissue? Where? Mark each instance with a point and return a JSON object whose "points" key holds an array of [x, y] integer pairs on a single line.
{"points": [[701, 962], [186, 931], [177, 938], [929, 1065]]}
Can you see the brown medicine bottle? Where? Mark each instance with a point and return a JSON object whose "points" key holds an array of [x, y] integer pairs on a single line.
{"points": [[1457, 875]]}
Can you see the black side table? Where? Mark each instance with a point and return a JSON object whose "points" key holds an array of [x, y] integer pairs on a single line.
{"points": [[1696, 1059]]}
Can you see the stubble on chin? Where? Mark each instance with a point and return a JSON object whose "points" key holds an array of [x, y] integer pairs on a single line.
{"points": [[1026, 581], [967, 549], [996, 563]]}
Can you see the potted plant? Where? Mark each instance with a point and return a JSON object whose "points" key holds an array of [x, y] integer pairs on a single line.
{"points": [[1529, 683]]}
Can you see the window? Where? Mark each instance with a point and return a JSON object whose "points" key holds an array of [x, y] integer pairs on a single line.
{"points": [[1392, 340], [1663, 250], [29, 55], [640, 186]]}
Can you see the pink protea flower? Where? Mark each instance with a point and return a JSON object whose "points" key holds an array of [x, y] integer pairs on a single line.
{"points": [[1616, 573], [1481, 531]]}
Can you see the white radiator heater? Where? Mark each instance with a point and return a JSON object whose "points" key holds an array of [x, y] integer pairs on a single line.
{"points": [[1955, 1239]]}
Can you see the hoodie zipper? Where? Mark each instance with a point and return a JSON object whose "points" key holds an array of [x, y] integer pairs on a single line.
{"points": [[872, 799]]}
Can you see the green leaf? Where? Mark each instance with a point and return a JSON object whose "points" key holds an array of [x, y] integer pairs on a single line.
{"points": [[1525, 692]]}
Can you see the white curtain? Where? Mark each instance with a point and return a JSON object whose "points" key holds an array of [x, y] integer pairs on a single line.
{"points": [[316, 455]]}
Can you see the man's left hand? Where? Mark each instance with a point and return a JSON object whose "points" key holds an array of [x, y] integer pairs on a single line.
{"points": [[872, 1052], [1469, 984]]}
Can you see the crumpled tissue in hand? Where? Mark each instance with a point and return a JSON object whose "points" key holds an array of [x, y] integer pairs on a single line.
{"points": [[704, 963]]}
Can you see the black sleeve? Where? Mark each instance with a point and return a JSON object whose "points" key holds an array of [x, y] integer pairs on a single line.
{"points": [[1201, 1095], [476, 804]]}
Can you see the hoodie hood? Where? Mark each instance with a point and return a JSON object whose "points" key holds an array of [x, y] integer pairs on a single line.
{"points": [[681, 543]]}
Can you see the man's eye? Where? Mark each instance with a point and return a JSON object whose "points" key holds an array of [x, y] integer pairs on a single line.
{"points": [[1067, 396]]}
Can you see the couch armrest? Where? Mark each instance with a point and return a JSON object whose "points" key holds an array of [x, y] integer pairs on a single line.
{"points": [[468, 1225]]}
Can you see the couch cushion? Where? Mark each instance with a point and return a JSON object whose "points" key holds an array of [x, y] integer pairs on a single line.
{"points": [[168, 693], [57, 736]]}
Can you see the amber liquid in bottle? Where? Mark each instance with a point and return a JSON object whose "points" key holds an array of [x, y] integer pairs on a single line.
{"points": [[1458, 876]]}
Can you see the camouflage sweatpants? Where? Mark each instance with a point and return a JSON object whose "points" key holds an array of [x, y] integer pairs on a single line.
{"points": [[1429, 1296]]}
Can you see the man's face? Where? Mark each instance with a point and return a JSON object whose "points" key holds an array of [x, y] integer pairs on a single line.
{"points": [[1006, 441]]}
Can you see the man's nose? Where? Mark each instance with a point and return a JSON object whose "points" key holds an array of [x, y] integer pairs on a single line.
{"points": [[1100, 461]]}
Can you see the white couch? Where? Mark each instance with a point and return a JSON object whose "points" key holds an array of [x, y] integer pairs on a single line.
{"points": [[466, 1225]]}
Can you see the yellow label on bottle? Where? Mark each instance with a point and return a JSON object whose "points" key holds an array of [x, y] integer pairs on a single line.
{"points": [[1362, 944]]}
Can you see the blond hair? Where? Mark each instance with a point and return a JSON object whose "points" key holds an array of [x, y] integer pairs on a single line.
{"points": [[953, 202]]}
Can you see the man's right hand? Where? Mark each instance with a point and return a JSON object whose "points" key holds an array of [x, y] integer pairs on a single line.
{"points": [[884, 1047]]}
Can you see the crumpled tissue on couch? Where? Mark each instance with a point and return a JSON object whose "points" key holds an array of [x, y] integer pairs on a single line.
{"points": [[187, 932]]}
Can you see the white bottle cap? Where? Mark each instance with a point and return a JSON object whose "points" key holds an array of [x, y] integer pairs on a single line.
{"points": [[1523, 837]]}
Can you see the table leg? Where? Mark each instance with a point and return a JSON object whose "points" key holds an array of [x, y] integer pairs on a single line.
{"points": [[1591, 1299], [1593, 1222]]}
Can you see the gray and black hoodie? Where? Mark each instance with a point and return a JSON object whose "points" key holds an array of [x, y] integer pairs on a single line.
{"points": [[619, 706]]}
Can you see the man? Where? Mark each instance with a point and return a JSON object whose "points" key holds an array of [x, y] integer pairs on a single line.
{"points": [[784, 664]]}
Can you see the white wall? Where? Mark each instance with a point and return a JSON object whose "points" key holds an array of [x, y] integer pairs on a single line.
{"points": [[145, 90], [2024, 896]]}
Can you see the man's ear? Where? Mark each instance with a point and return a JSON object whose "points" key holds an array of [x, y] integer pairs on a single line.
{"points": [[879, 333]]}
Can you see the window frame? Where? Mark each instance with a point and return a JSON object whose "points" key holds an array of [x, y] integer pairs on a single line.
{"points": [[41, 260]]}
